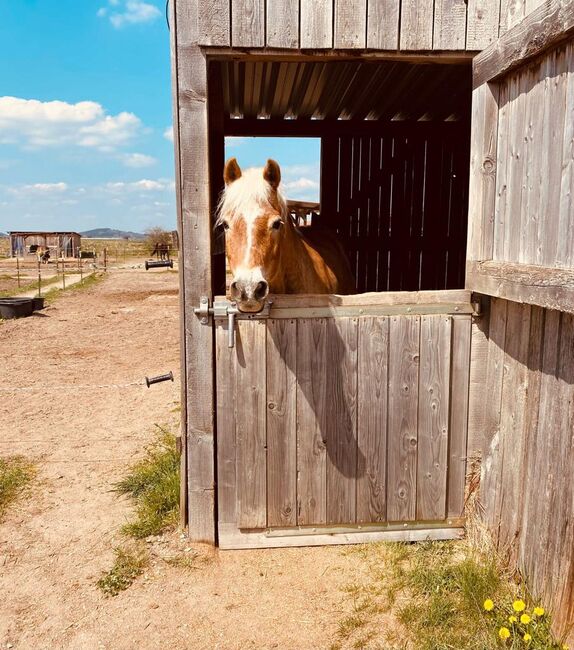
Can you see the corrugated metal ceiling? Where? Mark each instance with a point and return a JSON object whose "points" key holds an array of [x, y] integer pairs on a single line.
{"points": [[388, 90]]}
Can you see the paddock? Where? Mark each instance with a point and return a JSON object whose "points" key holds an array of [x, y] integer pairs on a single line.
{"points": [[447, 176], [60, 244]]}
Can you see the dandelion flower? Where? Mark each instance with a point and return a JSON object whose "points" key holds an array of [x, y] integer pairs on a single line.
{"points": [[518, 605], [539, 611], [565, 647], [512, 619], [488, 605], [504, 633], [525, 619], [527, 638]]}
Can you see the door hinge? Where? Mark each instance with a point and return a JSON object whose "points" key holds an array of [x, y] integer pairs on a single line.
{"points": [[223, 309]]}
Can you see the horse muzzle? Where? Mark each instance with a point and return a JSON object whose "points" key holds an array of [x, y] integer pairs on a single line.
{"points": [[249, 296]]}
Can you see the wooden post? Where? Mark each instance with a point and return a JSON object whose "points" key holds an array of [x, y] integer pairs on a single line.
{"points": [[195, 228], [18, 268], [39, 279], [105, 259], [63, 274]]}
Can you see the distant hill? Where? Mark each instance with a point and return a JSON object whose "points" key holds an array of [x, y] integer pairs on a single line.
{"points": [[3, 234], [111, 233]]}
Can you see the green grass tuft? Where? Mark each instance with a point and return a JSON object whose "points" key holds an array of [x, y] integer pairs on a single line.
{"points": [[15, 474], [128, 565], [154, 484]]}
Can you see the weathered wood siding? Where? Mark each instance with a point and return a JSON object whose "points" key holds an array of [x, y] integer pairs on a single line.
{"points": [[528, 448], [445, 25], [342, 421], [534, 205]]}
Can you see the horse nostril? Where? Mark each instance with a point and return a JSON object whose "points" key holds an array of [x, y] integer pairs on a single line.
{"points": [[234, 288], [260, 290]]}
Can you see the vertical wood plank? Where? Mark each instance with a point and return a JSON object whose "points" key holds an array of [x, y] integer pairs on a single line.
{"points": [[316, 24], [225, 412], [311, 421], [191, 135], [247, 23], [250, 408], [341, 419], [459, 404], [511, 447], [482, 24], [482, 193], [416, 24], [372, 399], [282, 23], [350, 24], [449, 25], [511, 13], [383, 24], [404, 350], [477, 387], [501, 212], [565, 254], [281, 423], [213, 23], [433, 416]]}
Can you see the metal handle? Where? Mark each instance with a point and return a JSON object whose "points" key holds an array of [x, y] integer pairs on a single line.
{"points": [[231, 329]]}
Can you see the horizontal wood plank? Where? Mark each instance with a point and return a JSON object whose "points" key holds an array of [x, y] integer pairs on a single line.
{"points": [[546, 27], [535, 285]]}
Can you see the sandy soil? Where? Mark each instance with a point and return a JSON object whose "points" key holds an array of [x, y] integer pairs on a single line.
{"points": [[56, 543]]}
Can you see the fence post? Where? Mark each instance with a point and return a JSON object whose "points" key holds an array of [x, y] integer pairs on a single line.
{"points": [[18, 268], [105, 259], [80, 264], [63, 273], [39, 279]]}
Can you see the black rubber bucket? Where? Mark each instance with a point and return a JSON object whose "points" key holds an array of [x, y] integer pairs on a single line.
{"points": [[16, 307]]}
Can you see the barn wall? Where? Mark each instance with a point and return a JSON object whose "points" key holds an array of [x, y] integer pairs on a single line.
{"points": [[528, 448], [408, 25], [535, 179]]}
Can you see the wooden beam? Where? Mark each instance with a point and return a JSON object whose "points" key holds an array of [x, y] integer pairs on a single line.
{"points": [[322, 128], [191, 135], [535, 285], [545, 27]]}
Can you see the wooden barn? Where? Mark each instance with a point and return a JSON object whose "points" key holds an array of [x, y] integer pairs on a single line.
{"points": [[60, 244], [447, 167]]}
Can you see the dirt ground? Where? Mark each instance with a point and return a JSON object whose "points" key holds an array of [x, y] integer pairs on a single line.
{"points": [[56, 543]]}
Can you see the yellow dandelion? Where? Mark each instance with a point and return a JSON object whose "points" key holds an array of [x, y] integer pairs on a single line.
{"points": [[527, 638], [488, 605], [518, 605], [565, 647], [512, 619], [525, 619], [539, 611], [504, 633]]}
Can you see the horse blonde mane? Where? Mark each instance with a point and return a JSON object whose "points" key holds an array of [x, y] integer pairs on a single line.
{"points": [[249, 192]]}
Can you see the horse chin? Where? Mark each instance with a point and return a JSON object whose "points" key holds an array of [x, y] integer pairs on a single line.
{"points": [[250, 306]]}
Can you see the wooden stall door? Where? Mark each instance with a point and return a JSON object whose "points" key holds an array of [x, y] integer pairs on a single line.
{"points": [[344, 419]]}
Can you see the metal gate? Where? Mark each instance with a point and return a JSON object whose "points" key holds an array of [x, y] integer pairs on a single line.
{"points": [[343, 419]]}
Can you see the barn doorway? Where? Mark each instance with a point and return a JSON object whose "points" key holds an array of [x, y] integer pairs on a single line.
{"points": [[344, 418], [394, 162]]}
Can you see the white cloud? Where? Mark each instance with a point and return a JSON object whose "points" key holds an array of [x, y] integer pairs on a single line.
{"points": [[233, 141], [33, 123], [143, 185], [301, 184], [132, 12], [168, 133], [39, 188], [138, 160]]}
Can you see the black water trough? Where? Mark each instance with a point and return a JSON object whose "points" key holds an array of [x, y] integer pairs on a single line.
{"points": [[153, 264], [16, 307], [38, 303]]}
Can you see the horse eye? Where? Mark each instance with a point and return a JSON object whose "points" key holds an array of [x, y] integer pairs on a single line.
{"points": [[277, 224], [225, 225]]}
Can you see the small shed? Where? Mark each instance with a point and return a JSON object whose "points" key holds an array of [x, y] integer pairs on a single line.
{"points": [[66, 244], [447, 172]]}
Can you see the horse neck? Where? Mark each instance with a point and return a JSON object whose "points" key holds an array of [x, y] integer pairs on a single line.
{"points": [[296, 264]]}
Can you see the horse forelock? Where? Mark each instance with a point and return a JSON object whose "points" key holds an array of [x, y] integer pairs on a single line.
{"points": [[249, 195]]}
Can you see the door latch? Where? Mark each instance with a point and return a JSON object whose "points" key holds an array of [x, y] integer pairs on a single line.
{"points": [[224, 309]]}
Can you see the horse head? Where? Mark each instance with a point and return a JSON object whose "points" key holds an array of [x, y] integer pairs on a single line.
{"points": [[254, 215]]}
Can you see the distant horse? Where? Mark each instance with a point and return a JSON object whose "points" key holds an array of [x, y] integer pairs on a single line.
{"points": [[161, 250], [267, 253]]}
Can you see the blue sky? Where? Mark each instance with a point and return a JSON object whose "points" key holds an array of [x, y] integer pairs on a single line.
{"points": [[85, 119]]}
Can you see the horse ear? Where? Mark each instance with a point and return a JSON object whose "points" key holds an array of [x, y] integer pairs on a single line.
{"points": [[232, 171], [272, 173]]}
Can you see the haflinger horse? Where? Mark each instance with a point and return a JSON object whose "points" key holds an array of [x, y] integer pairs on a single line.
{"points": [[266, 252]]}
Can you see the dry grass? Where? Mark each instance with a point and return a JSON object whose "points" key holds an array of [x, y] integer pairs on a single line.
{"points": [[16, 473]]}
